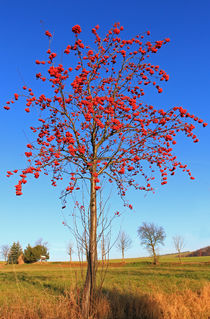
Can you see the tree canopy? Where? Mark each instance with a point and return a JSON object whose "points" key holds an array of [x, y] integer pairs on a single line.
{"points": [[94, 121]]}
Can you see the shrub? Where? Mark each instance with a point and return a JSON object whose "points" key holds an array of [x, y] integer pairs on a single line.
{"points": [[33, 254]]}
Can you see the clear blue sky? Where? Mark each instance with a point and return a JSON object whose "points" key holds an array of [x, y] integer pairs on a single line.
{"points": [[182, 207]]}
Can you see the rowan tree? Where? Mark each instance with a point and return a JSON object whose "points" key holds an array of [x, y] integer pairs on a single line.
{"points": [[94, 123]]}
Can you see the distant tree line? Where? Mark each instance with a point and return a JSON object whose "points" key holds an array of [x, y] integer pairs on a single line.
{"points": [[151, 237], [31, 254]]}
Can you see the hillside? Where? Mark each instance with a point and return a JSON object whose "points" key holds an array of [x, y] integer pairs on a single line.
{"points": [[200, 252]]}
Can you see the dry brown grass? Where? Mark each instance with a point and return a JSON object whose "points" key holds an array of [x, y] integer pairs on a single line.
{"points": [[186, 305], [113, 305]]}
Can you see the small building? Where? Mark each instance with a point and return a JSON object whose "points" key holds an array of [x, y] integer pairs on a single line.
{"points": [[43, 258]]}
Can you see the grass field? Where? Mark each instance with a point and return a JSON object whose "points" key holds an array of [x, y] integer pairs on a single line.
{"points": [[160, 291]]}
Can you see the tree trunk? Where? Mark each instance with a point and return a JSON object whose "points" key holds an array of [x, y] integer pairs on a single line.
{"points": [[123, 254], [92, 254], [154, 256], [180, 256]]}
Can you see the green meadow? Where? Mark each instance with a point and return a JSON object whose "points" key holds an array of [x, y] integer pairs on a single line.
{"points": [[20, 284], [136, 273]]}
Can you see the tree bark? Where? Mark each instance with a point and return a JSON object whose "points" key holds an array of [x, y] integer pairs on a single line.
{"points": [[154, 256], [70, 255], [90, 281], [180, 257]]}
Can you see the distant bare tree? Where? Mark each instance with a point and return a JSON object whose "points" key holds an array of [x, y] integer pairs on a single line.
{"points": [[151, 237], [40, 242], [178, 244], [106, 246], [5, 251], [124, 243], [70, 250]]}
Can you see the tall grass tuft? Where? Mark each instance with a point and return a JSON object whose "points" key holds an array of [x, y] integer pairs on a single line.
{"points": [[113, 304]]}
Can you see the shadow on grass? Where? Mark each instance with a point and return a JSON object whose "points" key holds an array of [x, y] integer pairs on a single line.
{"points": [[112, 304]]}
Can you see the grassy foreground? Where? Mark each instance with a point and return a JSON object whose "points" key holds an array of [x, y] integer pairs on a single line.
{"points": [[135, 289]]}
